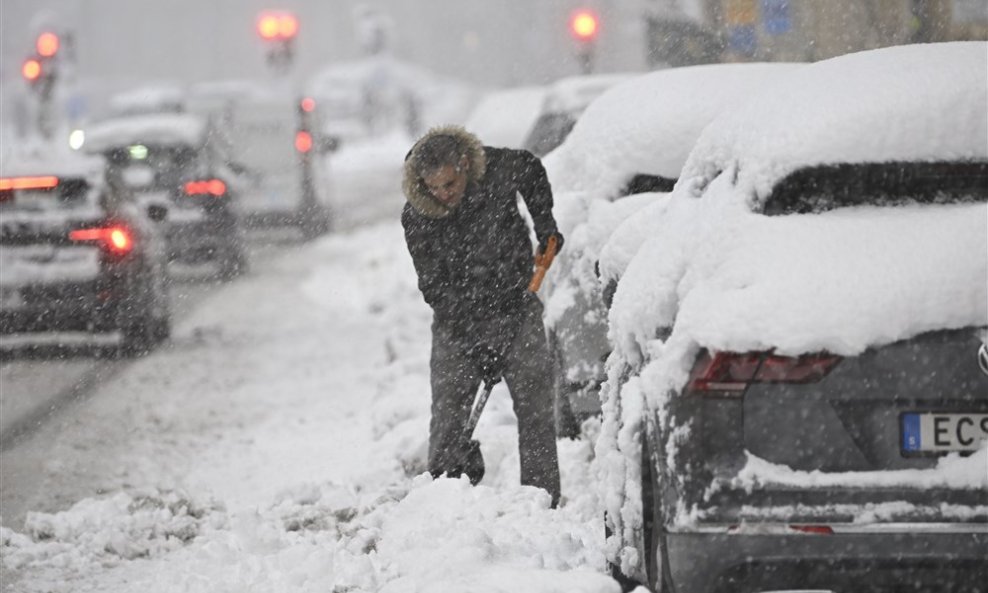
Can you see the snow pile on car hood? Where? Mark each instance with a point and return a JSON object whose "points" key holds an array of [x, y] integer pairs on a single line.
{"points": [[624, 242], [575, 268], [649, 124], [908, 103]]}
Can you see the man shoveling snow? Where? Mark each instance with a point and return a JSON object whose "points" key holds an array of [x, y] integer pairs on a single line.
{"points": [[471, 250]]}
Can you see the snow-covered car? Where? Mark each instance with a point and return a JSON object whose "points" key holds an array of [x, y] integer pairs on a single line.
{"points": [[78, 254], [564, 101], [795, 399], [621, 158], [505, 117], [172, 160]]}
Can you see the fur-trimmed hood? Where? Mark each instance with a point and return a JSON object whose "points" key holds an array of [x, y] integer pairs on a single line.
{"points": [[418, 194]]}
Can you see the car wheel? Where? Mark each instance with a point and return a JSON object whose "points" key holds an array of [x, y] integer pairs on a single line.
{"points": [[162, 329], [232, 264], [140, 322], [314, 223], [137, 330]]}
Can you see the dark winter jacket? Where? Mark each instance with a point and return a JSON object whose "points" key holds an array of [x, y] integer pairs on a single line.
{"points": [[474, 262]]}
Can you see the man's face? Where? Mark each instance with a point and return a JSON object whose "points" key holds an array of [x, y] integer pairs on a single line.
{"points": [[447, 184]]}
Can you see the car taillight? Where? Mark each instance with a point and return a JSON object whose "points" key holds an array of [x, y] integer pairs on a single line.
{"points": [[211, 187], [777, 529], [730, 373], [303, 141], [116, 239], [43, 182]]}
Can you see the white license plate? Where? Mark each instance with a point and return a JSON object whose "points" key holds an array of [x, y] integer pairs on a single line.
{"points": [[932, 432]]}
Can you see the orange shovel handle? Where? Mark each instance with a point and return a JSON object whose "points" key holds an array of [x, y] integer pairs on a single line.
{"points": [[542, 263]]}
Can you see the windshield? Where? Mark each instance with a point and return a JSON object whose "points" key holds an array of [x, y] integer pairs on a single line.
{"points": [[154, 168], [549, 132], [828, 187]]}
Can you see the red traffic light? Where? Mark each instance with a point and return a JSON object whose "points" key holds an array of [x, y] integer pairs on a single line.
{"points": [[303, 141], [47, 44], [583, 24], [308, 104], [277, 25], [31, 69]]}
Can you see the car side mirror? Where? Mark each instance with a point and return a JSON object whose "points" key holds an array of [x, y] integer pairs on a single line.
{"points": [[157, 212], [329, 144]]}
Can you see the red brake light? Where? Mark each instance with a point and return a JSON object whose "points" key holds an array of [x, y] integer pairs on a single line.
{"points": [[731, 373], [213, 187], [45, 182], [815, 529], [303, 141], [117, 239], [776, 529]]}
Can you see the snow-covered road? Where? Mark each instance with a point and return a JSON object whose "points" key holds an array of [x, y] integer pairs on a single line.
{"points": [[277, 444]]}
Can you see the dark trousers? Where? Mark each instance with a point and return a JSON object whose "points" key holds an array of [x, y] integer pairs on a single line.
{"points": [[528, 373]]}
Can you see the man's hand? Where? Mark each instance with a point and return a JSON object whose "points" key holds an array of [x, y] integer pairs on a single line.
{"points": [[488, 360], [544, 242]]}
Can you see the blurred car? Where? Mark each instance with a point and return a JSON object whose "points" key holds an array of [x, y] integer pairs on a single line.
{"points": [[77, 254], [632, 141], [276, 141], [795, 396], [171, 160], [564, 101], [505, 117]]}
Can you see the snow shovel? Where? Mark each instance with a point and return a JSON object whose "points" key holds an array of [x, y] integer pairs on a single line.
{"points": [[470, 455]]}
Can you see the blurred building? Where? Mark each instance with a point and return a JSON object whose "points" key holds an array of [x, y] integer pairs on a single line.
{"points": [[701, 31]]}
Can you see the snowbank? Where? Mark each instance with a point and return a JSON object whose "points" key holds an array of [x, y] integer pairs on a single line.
{"points": [[280, 446]]}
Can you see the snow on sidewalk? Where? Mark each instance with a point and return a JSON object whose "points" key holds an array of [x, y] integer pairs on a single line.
{"points": [[279, 445]]}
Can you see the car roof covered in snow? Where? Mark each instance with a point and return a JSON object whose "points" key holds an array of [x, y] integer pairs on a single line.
{"points": [[843, 280], [914, 103], [62, 164], [649, 124], [504, 117], [158, 98], [574, 93], [164, 128]]}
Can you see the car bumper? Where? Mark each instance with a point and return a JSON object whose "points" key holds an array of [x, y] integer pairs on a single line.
{"points": [[202, 240], [84, 306], [912, 558]]}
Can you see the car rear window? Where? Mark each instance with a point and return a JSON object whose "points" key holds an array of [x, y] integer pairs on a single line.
{"points": [[154, 168], [67, 195], [549, 132], [826, 187]]}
